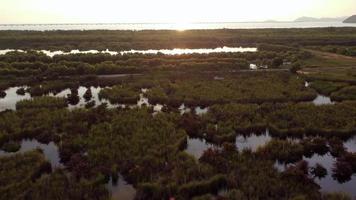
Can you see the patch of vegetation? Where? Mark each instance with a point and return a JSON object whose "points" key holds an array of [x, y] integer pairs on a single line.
{"points": [[42, 102], [2, 94], [120, 94], [21, 91], [307, 118], [326, 88], [346, 93], [11, 146], [18, 172], [239, 88]]}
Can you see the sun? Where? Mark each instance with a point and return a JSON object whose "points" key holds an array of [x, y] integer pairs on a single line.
{"points": [[182, 26]]}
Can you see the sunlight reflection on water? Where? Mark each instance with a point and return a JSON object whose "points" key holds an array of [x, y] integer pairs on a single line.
{"points": [[176, 51]]}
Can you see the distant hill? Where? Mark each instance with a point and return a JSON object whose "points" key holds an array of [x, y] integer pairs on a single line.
{"points": [[351, 19], [324, 19]]}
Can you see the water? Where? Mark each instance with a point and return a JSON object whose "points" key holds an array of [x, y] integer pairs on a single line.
{"points": [[252, 141], [198, 110], [328, 184], [183, 109], [11, 98], [253, 66], [81, 91], [201, 111], [176, 51], [121, 190], [196, 147], [350, 145], [50, 151], [172, 26], [322, 100]]}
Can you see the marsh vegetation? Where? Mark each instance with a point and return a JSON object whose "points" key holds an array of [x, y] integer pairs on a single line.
{"points": [[188, 126]]}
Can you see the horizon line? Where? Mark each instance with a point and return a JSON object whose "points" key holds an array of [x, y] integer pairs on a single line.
{"points": [[128, 23]]}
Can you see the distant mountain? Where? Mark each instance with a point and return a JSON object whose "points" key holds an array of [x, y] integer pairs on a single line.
{"points": [[324, 19], [271, 21], [351, 19]]}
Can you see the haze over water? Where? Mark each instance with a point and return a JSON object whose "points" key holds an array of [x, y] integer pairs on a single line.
{"points": [[172, 26]]}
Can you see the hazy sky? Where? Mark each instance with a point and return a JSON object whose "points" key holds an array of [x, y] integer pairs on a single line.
{"points": [[178, 11]]}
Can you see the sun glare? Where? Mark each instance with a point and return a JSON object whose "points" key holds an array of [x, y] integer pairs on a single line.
{"points": [[160, 11], [182, 26]]}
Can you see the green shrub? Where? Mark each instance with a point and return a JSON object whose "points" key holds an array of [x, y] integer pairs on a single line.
{"points": [[11, 146], [42, 102]]}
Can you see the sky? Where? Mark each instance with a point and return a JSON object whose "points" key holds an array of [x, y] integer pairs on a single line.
{"points": [[168, 11]]}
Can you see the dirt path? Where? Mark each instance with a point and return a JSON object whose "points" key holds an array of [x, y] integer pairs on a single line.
{"points": [[329, 55]]}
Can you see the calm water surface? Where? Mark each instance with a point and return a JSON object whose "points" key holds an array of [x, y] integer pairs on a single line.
{"points": [[196, 147], [328, 184], [11, 98], [121, 190], [50, 151], [322, 100], [176, 51]]}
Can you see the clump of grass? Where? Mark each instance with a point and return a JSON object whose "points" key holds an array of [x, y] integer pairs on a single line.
{"points": [[327, 87], [11, 146], [120, 94], [21, 91], [42, 102], [2, 94], [202, 187], [347, 93]]}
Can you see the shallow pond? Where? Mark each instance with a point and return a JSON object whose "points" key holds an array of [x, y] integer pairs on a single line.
{"points": [[328, 183], [50, 151], [350, 145], [252, 141], [121, 190], [175, 51], [11, 98], [196, 148], [322, 100]]}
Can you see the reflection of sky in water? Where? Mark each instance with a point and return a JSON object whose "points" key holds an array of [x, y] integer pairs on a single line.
{"points": [[175, 51], [322, 100], [328, 184], [121, 190], [11, 98], [196, 147], [252, 141], [201, 111], [50, 151], [350, 145]]}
